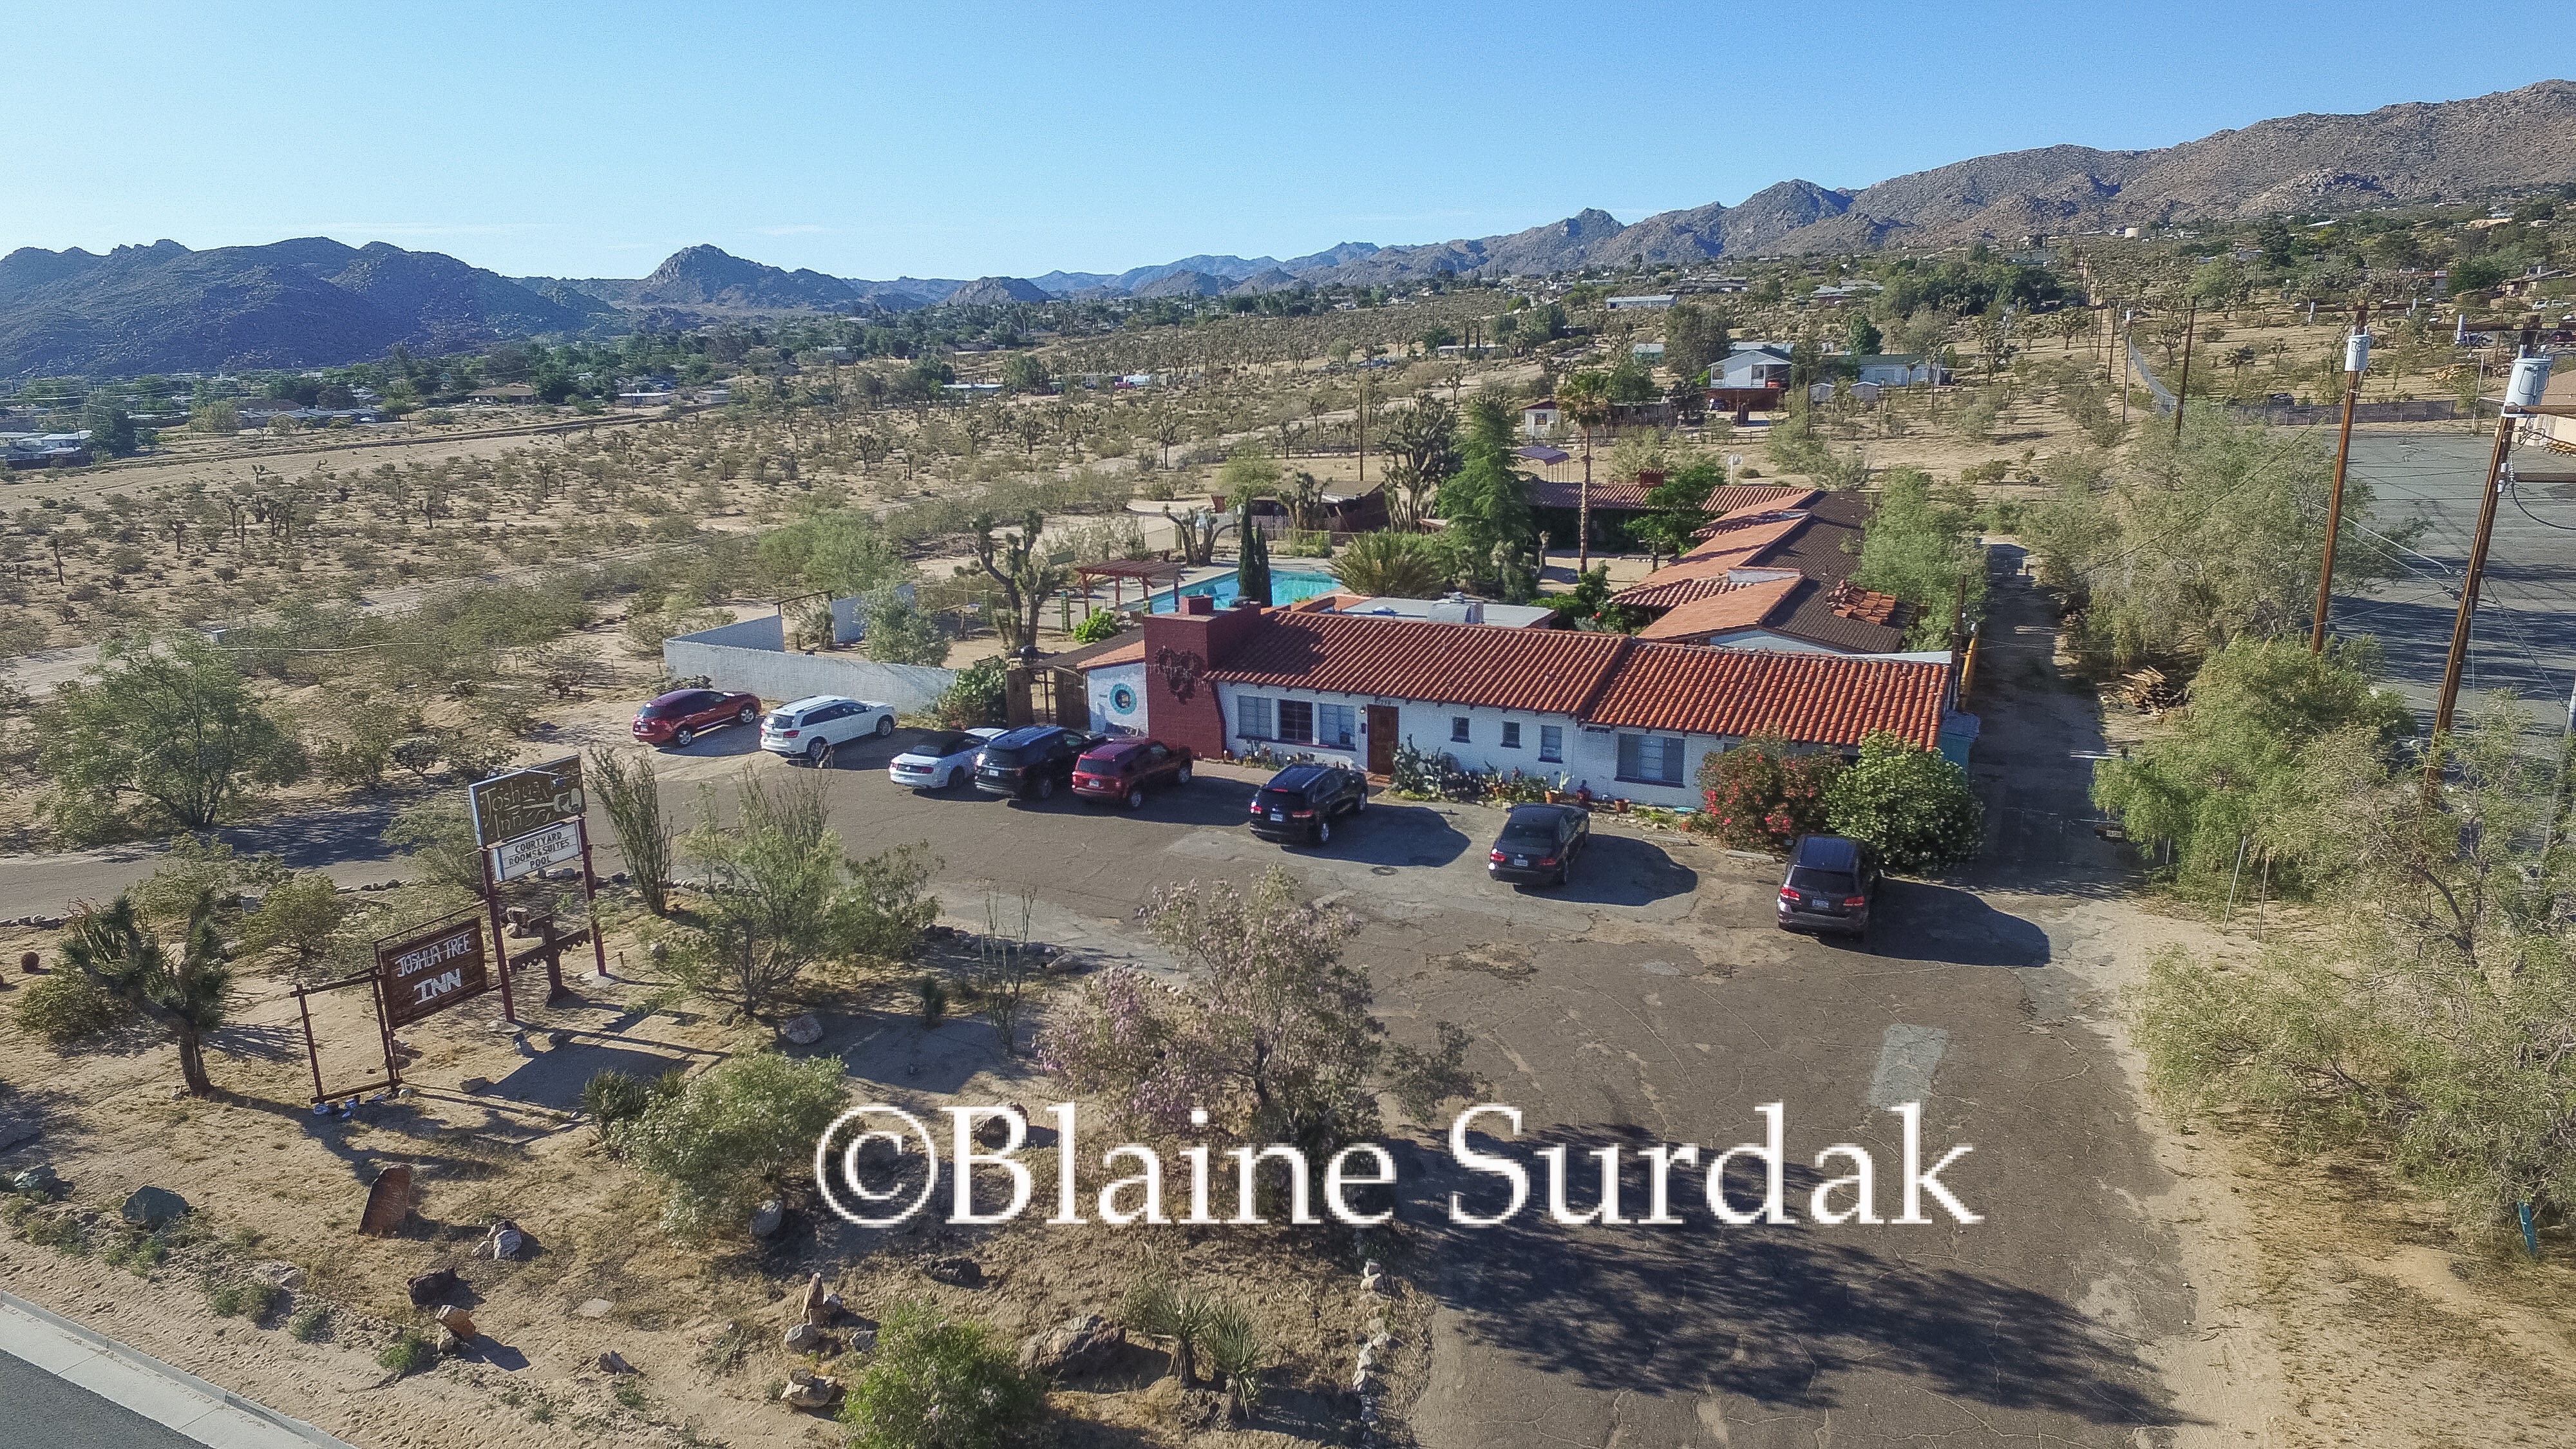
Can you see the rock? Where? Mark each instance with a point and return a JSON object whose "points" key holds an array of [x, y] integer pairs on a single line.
{"points": [[505, 1241], [388, 1203], [810, 1390], [151, 1207], [819, 1303], [30, 963], [447, 1344], [803, 1337], [955, 1272], [431, 1287], [1077, 1345], [862, 1340], [594, 1308], [766, 1220], [613, 1362], [456, 1321], [39, 1179], [996, 1130], [802, 1031], [284, 1275]]}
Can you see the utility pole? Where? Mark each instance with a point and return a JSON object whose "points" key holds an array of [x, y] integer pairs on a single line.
{"points": [[2523, 389], [2182, 394], [2356, 358]]}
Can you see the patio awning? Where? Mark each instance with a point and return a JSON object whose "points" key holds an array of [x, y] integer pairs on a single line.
{"points": [[1542, 453]]}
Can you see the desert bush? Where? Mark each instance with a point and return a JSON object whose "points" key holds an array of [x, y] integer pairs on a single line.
{"points": [[633, 799], [65, 1009], [1096, 627], [437, 840], [720, 1144], [932, 995], [612, 1099], [299, 918], [938, 1383], [309, 1323], [976, 698], [901, 632], [1234, 1349], [1910, 802], [408, 1354], [1762, 795]]}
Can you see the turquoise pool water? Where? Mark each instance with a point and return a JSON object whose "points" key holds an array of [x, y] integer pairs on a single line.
{"points": [[1287, 586]]}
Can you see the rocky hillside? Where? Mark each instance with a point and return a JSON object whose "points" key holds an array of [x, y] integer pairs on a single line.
{"points": [[307, 302]]}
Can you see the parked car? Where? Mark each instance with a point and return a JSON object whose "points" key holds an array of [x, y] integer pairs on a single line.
{"points": [[1299, 803], [1539, 843], [684, 714], [817, 722], [1830, 887], [1030, 762], [941, 761], [1123, 769]]}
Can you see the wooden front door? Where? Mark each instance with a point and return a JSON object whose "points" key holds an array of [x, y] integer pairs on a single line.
{"points": [[1381, 733]]}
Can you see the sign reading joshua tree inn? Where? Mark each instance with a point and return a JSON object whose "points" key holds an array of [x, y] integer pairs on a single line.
{"points": [[427, 973]]}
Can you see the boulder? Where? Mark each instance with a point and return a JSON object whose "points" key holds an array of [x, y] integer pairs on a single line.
{"points": [[388, 1203], [431, 1287], [802, 1031], [151, 1207], [284, 1275], [447, 1344], [820, 1303], [504, 1241], [1078, 1345], [456, 1321], [39, 1179], [613, 1362], [955, 1272], [594, 1308], [810, 1390], [803, 1337], [862, 1340], [767, 1218]]}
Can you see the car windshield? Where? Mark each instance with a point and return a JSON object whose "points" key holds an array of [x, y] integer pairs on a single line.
{"points": [[1530, 832], [665, 709], [1821, 882], [944, 746], [998, 755], [1277, 795]]}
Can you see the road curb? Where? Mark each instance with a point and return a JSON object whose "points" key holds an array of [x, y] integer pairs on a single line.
{"points": [[179, 1377]]}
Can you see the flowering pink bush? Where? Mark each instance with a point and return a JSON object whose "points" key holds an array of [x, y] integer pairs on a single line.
{"points": [[1760, 796]]}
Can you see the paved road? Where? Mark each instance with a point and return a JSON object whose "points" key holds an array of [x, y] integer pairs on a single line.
{"points": [[44, 1412], [2525, 636], [63, 1386]]}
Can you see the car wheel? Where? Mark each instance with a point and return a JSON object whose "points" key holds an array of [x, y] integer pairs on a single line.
{"points": [[1323, 832], [1135, 797], [1046, 787], [747, 715], [814, 753], [682, 736], [1182, 777], [885, 726]]}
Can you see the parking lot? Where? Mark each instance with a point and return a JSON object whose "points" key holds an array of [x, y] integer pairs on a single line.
{"points": [[1652, 1001]]}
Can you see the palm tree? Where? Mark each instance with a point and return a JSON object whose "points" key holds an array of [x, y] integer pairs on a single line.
{"points": [[187, 996], [1584, 398], [1389, 565]]}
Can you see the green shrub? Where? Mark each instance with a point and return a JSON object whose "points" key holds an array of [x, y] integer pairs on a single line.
{"points": [[1234, 1349], [408, 1354], [309, 1323], [934, 1000], [1910, 802], [65, 1008], [226, 1299], [614, 1098], [939, 1384], [629, 1395], [975, 698], [1096, 626], [719, 1144]]}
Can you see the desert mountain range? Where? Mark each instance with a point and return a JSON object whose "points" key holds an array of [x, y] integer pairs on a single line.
{"points": [[313, 301]]}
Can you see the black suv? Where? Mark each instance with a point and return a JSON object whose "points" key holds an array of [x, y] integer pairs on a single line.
{"points": [[1300, 802], [1539, 843], [1030, 762], [1831, 885]]}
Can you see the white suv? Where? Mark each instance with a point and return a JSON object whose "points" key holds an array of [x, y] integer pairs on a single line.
{"points": [[813, 725]]}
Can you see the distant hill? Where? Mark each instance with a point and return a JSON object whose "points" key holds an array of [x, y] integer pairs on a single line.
{"points": [[301, 303], [1183, 283], [997, 291]]}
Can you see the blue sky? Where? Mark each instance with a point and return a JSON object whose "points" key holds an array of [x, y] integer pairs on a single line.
{"points": [[961, 140]]}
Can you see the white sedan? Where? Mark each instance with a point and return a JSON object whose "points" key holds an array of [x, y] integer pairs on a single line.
{"points": [[815, 724], [942, 760]]}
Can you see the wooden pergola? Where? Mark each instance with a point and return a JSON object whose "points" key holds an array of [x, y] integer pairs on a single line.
{"points": [[1149, 574]]}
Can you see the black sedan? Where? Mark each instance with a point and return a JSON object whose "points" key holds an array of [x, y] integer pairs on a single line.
{"points": [[1539, 844]]}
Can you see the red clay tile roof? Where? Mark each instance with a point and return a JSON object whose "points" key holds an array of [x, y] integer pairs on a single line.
{"points": [[1130, 652], [1737, 548], [1553, 671], [1722, 610], [1732, 497], [1607, 497], [1810, 698]]}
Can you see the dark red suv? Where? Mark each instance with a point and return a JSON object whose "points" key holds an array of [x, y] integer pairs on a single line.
{"points": [[684, 714], [1124, 769]]}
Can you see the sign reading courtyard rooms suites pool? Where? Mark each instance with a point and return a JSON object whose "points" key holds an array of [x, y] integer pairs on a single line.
{"points": [[430, 971]]}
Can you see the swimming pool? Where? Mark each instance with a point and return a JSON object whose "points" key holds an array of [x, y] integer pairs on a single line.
{"points": [[1287, 586]]}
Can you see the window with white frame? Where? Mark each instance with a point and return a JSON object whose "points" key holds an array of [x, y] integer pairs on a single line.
{"points": [[1297, 721], [1511, 734], [1333, 725], [1551, 744], [1252, 717], [1457, 729], [1650, 759]]}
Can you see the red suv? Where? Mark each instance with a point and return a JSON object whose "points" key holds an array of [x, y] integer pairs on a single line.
{"points": [[684, 714], [1121, 769]]}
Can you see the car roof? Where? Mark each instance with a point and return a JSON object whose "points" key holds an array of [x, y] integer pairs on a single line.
{"points": [[799, 706], [676, 695], [1536, 813], [1112, 749], [1826, 852], [1296, 776], [1026, 735]]}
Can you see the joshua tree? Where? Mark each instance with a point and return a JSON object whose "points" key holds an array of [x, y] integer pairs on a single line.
{"points": [[185, 994]]}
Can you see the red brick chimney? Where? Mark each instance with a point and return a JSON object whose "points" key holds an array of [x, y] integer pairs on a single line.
{"points": [[1180, 702]]}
